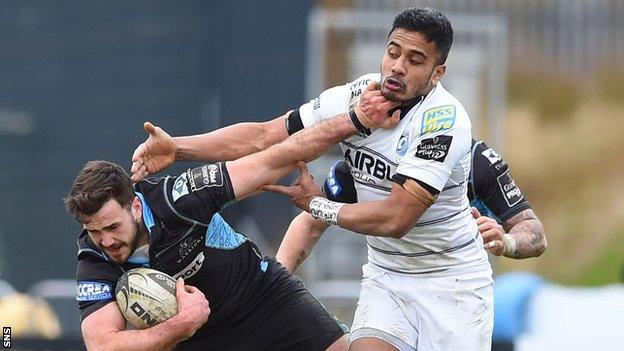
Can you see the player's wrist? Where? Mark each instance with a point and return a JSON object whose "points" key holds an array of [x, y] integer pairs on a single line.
{"points": [[359, 119], [510, 245], [325, 210], [184, 324], [181, 150]]}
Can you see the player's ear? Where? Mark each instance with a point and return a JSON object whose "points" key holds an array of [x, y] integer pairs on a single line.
{"points": [[437, 73], [137, 208]]}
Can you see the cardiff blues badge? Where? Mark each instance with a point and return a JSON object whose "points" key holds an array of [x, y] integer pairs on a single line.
{"points": [[403, 144]]}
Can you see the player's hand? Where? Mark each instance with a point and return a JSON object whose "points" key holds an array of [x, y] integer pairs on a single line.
{"points": [[193, 308], [302, 191], [372, 109], [155, 154], [492, 233]]}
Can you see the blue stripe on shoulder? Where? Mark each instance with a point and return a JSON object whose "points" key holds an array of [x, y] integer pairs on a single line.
{"points": [[221, 236], [148, 216]]}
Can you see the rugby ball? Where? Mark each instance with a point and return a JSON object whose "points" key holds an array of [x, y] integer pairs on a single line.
{"points": [[146, 297]]}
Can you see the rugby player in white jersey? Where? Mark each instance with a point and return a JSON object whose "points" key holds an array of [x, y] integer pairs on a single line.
{"points": [[427, 285]]}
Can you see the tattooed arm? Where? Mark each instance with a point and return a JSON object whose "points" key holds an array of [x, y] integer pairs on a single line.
{"points": [[528, 233], [521, 237]]}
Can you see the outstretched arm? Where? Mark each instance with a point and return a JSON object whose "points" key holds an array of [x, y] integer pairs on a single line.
{"points": [[249, 173], [392, 217], [231, 142], [160, 150]]}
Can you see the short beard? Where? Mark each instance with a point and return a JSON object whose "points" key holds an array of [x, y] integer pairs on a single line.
{"points": [[390, 95], [422, 90], [139, 229]]}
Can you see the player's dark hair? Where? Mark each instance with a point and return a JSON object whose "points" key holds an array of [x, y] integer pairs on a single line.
{"points": [[98, 182], [430, 23]]}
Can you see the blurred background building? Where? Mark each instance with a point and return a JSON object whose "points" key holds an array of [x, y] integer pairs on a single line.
{"points": [[543, 81]]}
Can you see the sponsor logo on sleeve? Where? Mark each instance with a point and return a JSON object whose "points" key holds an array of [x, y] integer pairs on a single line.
{"points": [[435, 149], [492, 156], [180, 187], [508, 187], [93, 291], [438, 119], [206, 176]]}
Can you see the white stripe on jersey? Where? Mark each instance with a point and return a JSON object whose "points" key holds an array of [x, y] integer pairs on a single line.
{"points": [[431, 144]]}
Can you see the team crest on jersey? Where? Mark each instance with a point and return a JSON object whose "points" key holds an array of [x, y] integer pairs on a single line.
{"points": [[93, 291], [438, 119], [403, 143], [180, 187]]}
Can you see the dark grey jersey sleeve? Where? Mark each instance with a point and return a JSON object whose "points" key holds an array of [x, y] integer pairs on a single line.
{"points": [[95, 284], [193, 196], [492, 184]]}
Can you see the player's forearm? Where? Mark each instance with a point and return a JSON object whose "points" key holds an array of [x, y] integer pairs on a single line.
{"points": [[161, 337], [375, 218], [528, 234], [310, 143], [231, 142], [249, 173], [299, 240]]}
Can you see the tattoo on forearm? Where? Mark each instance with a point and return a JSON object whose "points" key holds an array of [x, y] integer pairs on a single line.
{"points": [[528, 232]]}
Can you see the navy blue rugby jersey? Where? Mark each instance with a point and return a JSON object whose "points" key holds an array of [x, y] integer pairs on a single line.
{"points": [[491, 188], [187, 238]]}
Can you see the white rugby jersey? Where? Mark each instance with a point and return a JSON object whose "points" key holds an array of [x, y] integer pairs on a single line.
{"points": [[431, 144]]}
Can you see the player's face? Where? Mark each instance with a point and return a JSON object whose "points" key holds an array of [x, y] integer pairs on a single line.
{"points": [[117, 230], [409, 67]]}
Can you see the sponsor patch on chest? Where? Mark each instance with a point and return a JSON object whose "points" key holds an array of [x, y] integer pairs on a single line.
{"points": [[435, 149], [438, 119], [192, 268]]}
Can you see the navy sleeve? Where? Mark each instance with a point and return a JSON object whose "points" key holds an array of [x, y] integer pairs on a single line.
{"points": [[192, 197], [95, 284], [294, 122], [493, 184]]}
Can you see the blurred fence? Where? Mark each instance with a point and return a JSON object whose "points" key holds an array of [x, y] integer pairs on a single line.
{"points": [[571, 37]]}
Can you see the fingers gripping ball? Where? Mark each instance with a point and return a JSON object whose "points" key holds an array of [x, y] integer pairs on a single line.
{"points": [[146, 297]]}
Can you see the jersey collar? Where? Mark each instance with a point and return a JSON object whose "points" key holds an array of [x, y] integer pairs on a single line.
{"points": [[148, 216]]}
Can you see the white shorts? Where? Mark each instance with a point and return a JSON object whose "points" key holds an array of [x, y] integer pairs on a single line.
{"points": [[412, 312]]}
